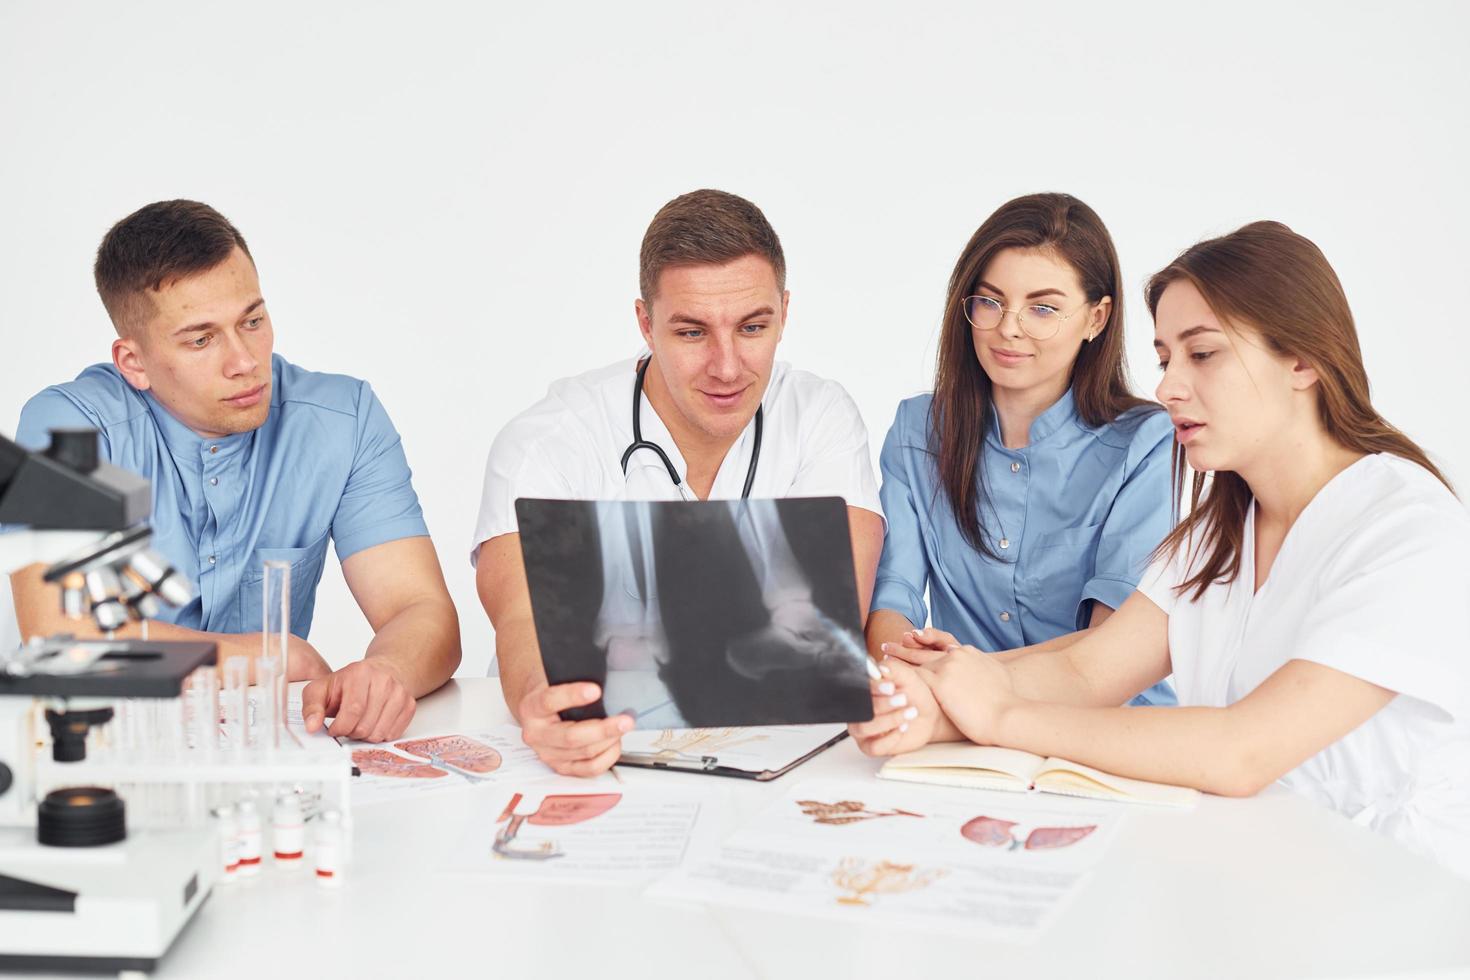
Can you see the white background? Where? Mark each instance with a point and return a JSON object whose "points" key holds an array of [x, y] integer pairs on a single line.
{"points": [[447, 199]]}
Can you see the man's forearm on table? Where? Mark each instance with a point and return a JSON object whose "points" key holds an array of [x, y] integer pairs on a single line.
{"points": [[422, 642]]}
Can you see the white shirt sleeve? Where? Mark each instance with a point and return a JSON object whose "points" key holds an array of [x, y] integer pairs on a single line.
{"points": [[1391, 607], [529, 458], [1161, 579], [835, 458]]}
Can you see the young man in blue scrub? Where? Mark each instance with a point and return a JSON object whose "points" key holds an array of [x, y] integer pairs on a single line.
{"points": [[251, 459]]}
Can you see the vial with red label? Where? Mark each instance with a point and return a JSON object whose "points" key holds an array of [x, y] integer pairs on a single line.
{"points": [[329, 849], [288, 831], [250, 839], [229, 843]]}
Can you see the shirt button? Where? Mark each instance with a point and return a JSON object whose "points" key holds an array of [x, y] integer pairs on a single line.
{"points": [[1005, 617], [1015, 467], [214, 481], [213, 450], [211, 559], [1005, 543]]}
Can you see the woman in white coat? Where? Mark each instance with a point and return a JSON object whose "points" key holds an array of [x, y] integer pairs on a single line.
{"points": [[1311, 607]]}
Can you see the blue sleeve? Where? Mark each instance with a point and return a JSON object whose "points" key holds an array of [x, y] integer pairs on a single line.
{"points": [[378, 504], [1139, 519], [54, 409], [903, 569]]}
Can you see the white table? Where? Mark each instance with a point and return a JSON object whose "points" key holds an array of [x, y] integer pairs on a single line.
{"points": [[1265, 887]]}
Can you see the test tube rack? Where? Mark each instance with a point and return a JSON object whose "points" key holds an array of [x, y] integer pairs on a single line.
{"points": [[172, 772]]}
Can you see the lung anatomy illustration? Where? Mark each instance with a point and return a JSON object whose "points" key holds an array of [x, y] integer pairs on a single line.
{"points": [[430, 758], [994, 832]]}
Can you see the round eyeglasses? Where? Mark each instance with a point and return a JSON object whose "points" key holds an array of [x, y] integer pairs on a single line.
{"points": [[1038, 321]]}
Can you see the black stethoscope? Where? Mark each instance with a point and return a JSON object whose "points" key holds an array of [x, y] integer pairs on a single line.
{"points": [[640, 443]]}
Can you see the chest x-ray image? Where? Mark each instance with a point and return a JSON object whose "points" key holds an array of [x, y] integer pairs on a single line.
{"points": [[699, 614]]}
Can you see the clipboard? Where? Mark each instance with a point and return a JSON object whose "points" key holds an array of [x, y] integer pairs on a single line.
{"points": [[710, 764]]}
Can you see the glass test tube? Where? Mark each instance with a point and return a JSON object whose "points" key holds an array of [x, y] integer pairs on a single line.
{"points": [[236, 700], [108, 744], [171, 729], [273, 668], [202, 692], [124, 739], [266, 731]]}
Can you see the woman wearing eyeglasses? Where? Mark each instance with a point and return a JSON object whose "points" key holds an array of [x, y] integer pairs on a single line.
{"points": [[1026, 493], [1311, 607]]}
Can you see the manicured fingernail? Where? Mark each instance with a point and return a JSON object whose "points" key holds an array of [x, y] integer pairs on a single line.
{"points": [[884, 670], [589, 691], [904, 727], [886, 687], [899, 700], [911, 714], [625, 724], [885, 647]]}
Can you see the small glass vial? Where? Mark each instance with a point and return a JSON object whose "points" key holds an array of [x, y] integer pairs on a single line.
{"points": [[329, 850], [229, 843], [250, 839], [288, 832]]}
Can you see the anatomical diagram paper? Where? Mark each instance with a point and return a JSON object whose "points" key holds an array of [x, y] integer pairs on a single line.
{"points": [[926, 857]]}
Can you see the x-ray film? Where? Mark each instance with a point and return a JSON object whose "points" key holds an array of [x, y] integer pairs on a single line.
{"points": [[699, 614]]}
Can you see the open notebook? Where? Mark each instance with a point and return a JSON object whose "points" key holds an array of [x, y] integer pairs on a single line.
{"points": [[989, 767]]}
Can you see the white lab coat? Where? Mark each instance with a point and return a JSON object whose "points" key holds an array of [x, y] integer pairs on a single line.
{"points": [[1372, 580], [569, 446]]}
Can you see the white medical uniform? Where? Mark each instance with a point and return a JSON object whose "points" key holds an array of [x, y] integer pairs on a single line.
{"points": [[1372, 580], [569, 446]]}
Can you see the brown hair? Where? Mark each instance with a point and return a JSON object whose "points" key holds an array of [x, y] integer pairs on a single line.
{"points": [[158, 244], [1271, 280], [706, 227], [961, 410]]}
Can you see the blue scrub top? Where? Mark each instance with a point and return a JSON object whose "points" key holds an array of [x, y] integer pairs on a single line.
{"points": [[327, 464], [1073, 517]]}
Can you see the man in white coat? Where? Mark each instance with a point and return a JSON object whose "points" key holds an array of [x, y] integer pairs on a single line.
{"points": [[712, 310]]}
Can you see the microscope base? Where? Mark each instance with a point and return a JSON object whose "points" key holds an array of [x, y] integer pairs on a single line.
{"points": [[100, 909]]}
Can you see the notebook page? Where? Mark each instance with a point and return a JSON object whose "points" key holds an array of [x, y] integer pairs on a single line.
{"points": [[986, 762], [1074, 779]]}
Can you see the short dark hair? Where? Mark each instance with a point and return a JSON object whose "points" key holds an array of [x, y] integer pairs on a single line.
{"points": [[158, 244], [706, 227]]}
